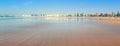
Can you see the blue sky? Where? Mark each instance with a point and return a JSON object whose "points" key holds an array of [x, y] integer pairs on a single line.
{"points": [[58, 6]]}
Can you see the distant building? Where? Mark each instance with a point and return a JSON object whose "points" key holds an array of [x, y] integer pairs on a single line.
{"points": [[25, 15], [118, 14], [77, 15], [101, 15], [112, 14], [69, 15], [34, 15], [96, 15], [82, 14], [105, 15]]}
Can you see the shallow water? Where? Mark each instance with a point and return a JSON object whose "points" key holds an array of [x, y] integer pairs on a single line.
{"points": [[16, 23], [35, 24]]}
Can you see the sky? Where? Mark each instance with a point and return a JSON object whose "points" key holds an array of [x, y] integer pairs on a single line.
{"points": [[58, 6]]}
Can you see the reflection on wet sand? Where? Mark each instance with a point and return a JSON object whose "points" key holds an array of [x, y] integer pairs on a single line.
{"points": [[60, 32]]}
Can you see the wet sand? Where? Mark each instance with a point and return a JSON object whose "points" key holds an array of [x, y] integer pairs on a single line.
{"points": [[91, 33]]}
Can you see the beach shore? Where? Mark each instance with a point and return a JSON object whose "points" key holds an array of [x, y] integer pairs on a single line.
{"points": [[102, 31]]}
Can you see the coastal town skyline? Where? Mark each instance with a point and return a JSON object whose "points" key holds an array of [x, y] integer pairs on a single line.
{"points": [[77, 14]]}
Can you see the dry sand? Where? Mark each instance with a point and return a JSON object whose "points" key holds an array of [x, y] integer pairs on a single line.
{"points": [[111, 20]]}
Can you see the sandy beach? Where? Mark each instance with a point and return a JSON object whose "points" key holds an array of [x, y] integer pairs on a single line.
{"points": [[62, 32]]}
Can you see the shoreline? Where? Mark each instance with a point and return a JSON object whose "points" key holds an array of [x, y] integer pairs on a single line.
{"points": [[93, 33]]}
